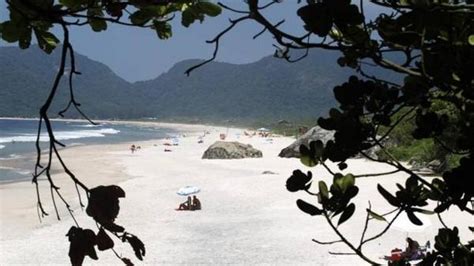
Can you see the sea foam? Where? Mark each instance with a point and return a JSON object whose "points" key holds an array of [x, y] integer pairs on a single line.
{"points": [[61, 135]]}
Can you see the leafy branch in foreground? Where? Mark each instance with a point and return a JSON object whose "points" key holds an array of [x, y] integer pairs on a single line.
{"points": [[428, 43], [38, 17]]}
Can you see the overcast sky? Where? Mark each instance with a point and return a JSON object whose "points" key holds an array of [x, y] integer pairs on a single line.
{"points": [[137, 54]]}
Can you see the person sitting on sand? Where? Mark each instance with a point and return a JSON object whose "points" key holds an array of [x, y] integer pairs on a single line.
{"points": [[196, 203], [412, 252], [185, 205]]}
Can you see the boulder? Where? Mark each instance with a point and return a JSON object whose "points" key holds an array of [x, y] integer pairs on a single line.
{"points": [[231, 150], [315, 133]]}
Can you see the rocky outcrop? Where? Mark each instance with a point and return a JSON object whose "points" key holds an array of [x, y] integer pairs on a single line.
{"points": [[423, 168], [315, 133], [231, 150]]}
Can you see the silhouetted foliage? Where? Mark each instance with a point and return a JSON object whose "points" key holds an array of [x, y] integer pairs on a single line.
{"points": [[435, 40], [435, 44], [28, 18], [82, 244]]}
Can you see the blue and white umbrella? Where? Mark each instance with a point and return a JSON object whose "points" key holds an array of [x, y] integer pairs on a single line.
{"points": [[188, 190]]}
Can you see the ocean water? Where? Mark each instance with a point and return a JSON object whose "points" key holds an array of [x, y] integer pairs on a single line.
{"points": [[18, 137]]}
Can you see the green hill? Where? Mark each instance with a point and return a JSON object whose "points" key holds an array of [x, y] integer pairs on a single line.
{"points": [[269, 89]]}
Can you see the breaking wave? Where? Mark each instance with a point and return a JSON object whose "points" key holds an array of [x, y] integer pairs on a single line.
{"points": [[60, 135]]}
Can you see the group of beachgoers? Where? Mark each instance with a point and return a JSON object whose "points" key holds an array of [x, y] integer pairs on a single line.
{"points": [[263, 134], [413, 251], [135, 148], [190, 204]]}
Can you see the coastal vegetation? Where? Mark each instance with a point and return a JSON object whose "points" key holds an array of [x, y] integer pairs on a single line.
{"points": [[430, 108], [219, 92]]}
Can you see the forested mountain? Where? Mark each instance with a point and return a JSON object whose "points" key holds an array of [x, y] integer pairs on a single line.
{"points": [[269, 89]]}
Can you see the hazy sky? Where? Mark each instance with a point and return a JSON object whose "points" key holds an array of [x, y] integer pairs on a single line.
{"points": [[137, 54]]}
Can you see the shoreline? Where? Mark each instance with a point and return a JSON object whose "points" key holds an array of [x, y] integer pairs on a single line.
{"points": [[78, 159], [12, 164], [131, 122], [248, 217]]}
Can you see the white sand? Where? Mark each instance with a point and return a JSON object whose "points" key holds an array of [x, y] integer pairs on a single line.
{"points": [[247, 217]]}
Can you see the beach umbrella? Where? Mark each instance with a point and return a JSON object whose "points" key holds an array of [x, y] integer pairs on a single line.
{"points": [[188, 190], [403, 224]]}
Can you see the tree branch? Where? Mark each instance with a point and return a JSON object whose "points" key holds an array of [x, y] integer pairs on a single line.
{"points": [[216, 43]]}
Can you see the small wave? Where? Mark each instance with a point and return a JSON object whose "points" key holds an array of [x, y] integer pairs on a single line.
{"points": [[12, 156], [75, 144], [88, 125], [23, 172], [2, 146], [62, 135]]}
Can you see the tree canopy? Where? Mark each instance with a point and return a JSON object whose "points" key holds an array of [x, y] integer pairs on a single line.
{"points": [[433, 41]]}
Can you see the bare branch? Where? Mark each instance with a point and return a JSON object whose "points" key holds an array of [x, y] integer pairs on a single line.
{"points": [[343, 239], [383, 231], [216, 43], [232, 9], [326, 242], [378, 174], [366, 226]]}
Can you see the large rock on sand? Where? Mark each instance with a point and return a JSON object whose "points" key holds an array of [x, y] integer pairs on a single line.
{"points": [[315, 133], [231, 150]]}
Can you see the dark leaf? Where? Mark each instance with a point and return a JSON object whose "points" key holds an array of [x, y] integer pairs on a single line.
{"points": [[46, 40], [82, 244], [298, 181], [376, 216], [104, 241], [351, 192], [413, 218], [127, 261], [423, 211], [411, 183], [343, 182], [112, 227], [317, 19], [389, 197], [323, 190], [308, 208], [98, 24], [442, 207], [209, 9], [348, 212], [137, 245], [104, 206], [307, 156], [342, 165], [141, 17], [163, 29], [447, 239]]}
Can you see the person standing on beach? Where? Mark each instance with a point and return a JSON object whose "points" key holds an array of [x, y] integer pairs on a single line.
{"points": [[133, 148]]}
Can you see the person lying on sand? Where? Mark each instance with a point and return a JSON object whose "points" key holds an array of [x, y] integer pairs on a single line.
{"points": [[412, 252], [185, 205]]}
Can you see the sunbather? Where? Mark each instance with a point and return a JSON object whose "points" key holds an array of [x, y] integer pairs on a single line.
{"points": [[412, 252], [185, 205], [196, 203]]}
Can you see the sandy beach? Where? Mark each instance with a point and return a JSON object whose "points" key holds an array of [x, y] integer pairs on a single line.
{"points": [[247, 217]]}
